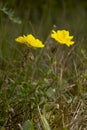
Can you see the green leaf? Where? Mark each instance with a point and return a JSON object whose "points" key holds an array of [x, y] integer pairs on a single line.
{"points": [[50, 92], [28, 125], [44, 121]]}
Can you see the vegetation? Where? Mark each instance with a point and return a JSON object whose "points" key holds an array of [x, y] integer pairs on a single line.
{"points": [[43, 88]]}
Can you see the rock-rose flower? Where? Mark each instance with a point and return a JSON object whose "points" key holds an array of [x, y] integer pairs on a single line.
{"points": [[63, 37], [30, 41]]}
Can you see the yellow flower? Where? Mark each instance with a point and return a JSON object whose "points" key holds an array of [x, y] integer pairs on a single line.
{"points": [[62, 36], [30, 41]]}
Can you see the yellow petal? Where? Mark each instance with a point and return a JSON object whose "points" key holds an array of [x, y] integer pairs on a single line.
{"points": [[20, 39], [31, 41]]}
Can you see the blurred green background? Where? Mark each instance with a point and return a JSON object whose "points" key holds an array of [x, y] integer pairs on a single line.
{"points": [[46, 13]]}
